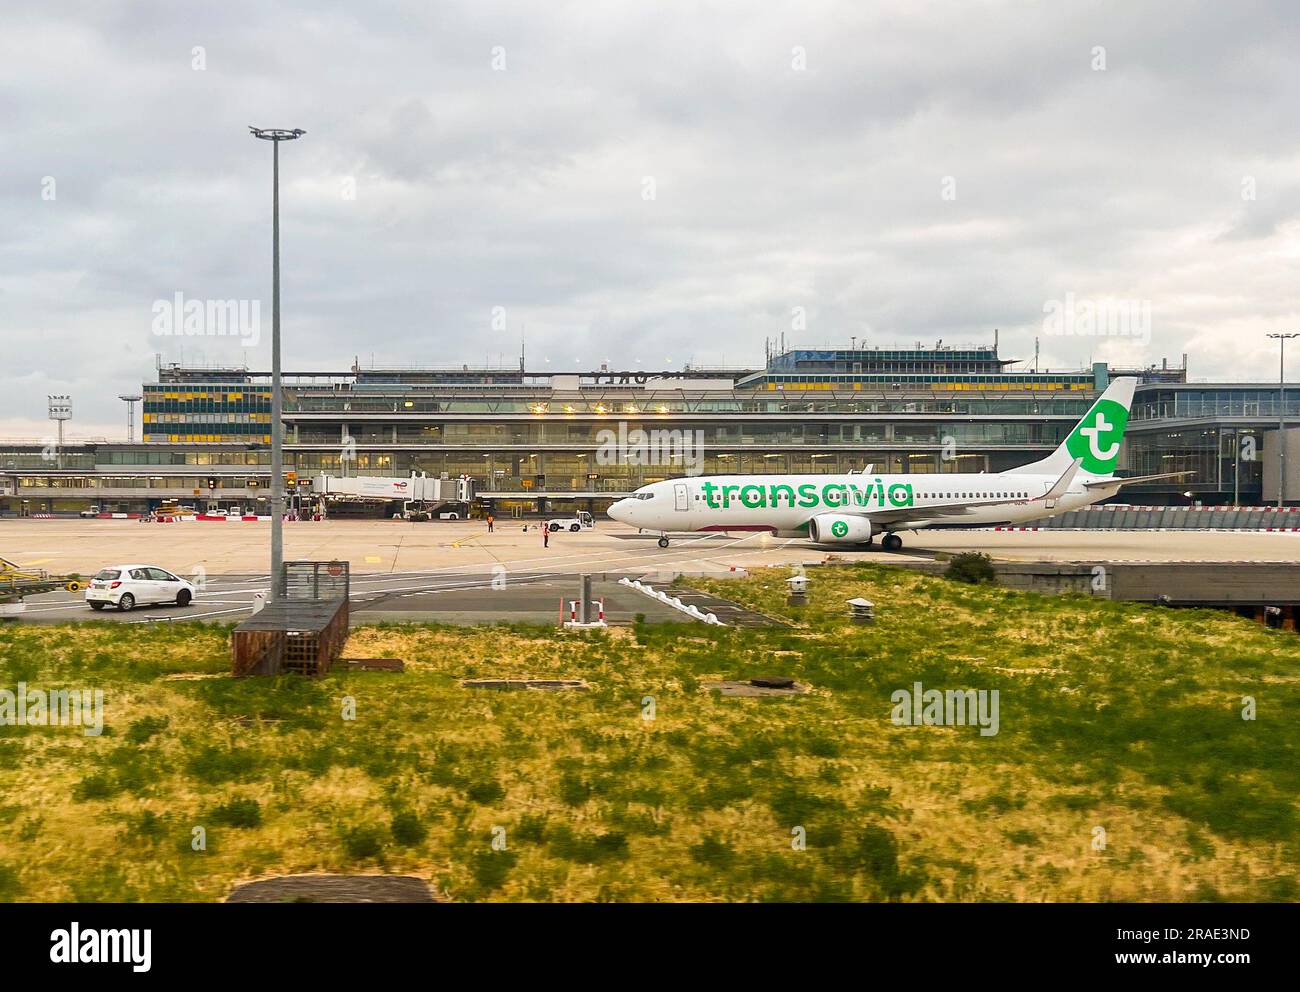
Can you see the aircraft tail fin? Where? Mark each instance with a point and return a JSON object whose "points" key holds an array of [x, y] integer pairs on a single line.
{"points": [[1095, 440]]}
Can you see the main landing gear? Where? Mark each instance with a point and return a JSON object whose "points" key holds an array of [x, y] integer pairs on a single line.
{"points": [[663, 542], [891, 542]]}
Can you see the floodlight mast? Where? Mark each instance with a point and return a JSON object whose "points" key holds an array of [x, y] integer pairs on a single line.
{"points": [[275, 136], [131, 400], [1282, 338]]}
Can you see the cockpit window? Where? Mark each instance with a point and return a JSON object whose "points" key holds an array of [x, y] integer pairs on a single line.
{"points": [[644, 495]]}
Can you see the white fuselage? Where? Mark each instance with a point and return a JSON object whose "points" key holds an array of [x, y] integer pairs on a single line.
{"points": [[783, 504]]}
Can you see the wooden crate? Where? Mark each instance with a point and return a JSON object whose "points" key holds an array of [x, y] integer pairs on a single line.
{"points": [[301, 637]]}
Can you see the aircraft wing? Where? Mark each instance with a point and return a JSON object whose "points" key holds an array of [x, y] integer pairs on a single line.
{"points": [[1104, 483], [939, 511], [936, 511]]}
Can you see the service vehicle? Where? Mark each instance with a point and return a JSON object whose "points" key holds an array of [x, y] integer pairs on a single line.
{"points": [[18, 581], [583, 521]]}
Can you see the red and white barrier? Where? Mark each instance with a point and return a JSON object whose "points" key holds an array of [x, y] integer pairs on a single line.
{"points": [[1115, 507], [97, 516], [573, 620]]}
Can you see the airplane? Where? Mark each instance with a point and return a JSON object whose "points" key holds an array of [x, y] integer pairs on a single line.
{"points": [[852, 509]]}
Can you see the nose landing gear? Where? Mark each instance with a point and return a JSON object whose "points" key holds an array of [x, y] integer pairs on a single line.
{"points": [[663, 542]]}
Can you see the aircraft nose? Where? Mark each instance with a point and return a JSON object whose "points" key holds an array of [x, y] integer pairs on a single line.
{"points": [[620, 510]]}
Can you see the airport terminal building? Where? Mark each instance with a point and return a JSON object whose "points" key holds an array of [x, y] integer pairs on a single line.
{"points": [[554, 441]]}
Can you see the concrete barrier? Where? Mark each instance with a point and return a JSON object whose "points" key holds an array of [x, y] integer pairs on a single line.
{"points": [[1125, 516]]}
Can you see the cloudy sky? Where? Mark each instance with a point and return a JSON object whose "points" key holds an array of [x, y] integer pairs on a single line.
{"points": [[643, 183]]}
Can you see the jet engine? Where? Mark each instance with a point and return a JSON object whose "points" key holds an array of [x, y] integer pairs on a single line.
{"points": [[840, 528]]}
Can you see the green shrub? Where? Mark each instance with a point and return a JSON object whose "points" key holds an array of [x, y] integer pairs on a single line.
{"points": [[878, 855], [238, 813], [490, 868], [531, 827], [407, 829], [713, 852], [588, 848], [971, 566], [364, 842], [8, 882], [94, 787], [485, 792], [148, 827], [214, 765], [574, 790], [145, 728]]}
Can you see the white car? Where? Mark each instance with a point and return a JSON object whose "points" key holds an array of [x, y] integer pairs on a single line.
{"points": [[129, 586]]}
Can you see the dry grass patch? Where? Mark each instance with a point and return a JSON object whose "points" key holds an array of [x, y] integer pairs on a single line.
{"points": [[647, 788]]}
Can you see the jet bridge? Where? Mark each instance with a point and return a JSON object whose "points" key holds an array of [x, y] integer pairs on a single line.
{"points": [[395, 494]]}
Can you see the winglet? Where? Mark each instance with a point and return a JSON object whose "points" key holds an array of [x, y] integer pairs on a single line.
{"points": [[1062, 485]]}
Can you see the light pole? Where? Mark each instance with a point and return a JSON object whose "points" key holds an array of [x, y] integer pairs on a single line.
{"points": [[131, 400], [1281, 412], [275, 136], [61, 413], [1236, 467]]}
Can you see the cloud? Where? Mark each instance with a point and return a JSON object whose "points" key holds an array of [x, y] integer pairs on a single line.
{"points": [[799, 156]]}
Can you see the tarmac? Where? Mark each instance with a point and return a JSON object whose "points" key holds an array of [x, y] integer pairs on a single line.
{"points": [[456, 572], [392, 546]]}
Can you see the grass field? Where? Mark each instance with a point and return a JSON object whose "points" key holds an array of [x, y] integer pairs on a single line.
{"points": [[1112, 716]]}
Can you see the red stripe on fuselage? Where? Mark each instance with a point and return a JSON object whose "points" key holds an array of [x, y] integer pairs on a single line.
{"points": [[754, 527]]}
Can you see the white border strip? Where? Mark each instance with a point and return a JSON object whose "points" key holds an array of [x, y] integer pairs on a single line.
{"points": [[691, 611]]}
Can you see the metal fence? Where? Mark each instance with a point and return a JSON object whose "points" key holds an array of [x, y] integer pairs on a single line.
{"points": [[1121, 516], [314, 580]]}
